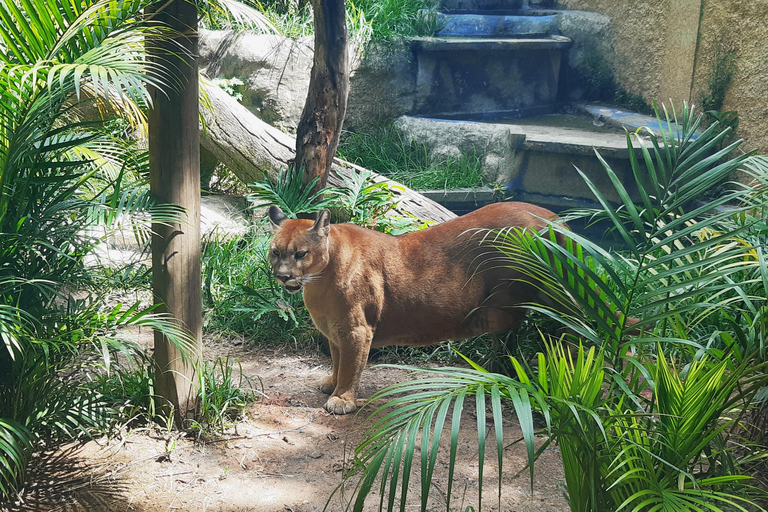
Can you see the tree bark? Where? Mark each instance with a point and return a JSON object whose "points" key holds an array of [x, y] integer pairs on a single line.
{"points": [[174, 149], [251, 148], [319, 129]]}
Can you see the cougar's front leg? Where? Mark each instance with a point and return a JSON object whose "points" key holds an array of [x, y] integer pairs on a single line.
{"points": [[349, 357]]}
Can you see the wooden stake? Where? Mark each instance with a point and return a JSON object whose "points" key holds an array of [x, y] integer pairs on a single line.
{"points": [[174, 149]]}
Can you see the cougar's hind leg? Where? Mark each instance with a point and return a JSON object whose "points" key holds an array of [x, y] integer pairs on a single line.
{"points": [[328, 383]]}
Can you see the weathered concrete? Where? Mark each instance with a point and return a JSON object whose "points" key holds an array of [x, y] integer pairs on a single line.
{"points": [[680, 49], [651, 39], [481, 5], [503, 25], [531, 161], [487, 75], [464, 200], [630, 121]]}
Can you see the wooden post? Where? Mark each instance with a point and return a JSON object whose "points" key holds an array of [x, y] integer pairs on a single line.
{"points": [[317, 135], [174, 150]]}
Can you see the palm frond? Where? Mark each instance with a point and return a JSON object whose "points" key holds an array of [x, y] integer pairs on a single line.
{"points": [[234, 14], [291, 195], [15, 445]]}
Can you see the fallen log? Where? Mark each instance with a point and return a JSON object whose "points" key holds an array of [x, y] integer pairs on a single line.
{"points": [[251, 148]]}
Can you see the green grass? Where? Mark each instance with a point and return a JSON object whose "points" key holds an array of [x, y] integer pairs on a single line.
{"points": [[387, 151], [222, 398], [397, 18]]}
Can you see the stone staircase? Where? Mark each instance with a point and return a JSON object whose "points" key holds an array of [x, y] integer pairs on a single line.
{"points": [[491, 81]]}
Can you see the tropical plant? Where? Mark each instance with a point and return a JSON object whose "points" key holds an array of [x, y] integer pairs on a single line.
{"points": [[66, 70], [640, 432], [365, 199], [291, 195]]}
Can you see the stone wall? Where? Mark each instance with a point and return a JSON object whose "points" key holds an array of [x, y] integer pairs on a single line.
{"points": [[664, 49]]}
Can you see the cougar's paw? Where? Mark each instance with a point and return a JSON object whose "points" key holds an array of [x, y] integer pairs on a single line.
{"points": [[327, 385], [338, 405]]}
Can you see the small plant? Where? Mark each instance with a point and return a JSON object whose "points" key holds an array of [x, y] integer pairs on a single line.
{"points": [[291, 195], [222, 397], [230, 86], [365, 200], [129, 388]]}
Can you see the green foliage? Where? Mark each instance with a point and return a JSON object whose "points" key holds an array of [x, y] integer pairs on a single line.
{"points": [[291, 195], [236, 15], [65, 182], [129, 389], [230, 86], [15, 444], [364, 200], [222, 397], [643, 432], [388, 152], [399, 18]]}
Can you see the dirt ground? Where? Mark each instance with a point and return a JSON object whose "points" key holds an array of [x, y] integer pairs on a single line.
{"points": [[287, 455]]}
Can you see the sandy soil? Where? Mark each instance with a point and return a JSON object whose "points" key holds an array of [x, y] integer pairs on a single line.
{"points": [[287, 455]]}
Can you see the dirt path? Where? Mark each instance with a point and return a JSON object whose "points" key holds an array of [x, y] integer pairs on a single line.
{"points": [[288, 456]]}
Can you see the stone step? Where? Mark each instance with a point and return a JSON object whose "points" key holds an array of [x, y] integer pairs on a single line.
{"points": [[481, 5], [491, 45], [496, 26], [532, 160], [630, 121]]}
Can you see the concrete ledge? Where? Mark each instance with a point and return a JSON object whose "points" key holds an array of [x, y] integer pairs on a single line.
{"points": [[630, 121], [464, 200], [457, 195], [492, 25], [467, 44]]}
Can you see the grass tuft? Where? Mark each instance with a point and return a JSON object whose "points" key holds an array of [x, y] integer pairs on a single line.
{"points": [[387, 151]]}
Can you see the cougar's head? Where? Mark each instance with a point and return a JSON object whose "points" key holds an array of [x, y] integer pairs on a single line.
{"points": [[299, 250]]}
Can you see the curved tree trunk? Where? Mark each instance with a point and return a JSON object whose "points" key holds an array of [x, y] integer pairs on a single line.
{"points": [[251, 148], [319, 129]]}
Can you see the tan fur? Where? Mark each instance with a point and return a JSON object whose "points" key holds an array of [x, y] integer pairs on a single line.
{"points": [[366, 289]]}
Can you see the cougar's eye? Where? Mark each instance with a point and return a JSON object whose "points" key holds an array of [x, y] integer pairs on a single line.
{"points": [[275, 253], [300, 254]]}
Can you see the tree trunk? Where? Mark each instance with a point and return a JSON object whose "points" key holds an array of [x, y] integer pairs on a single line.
{"points": [[251, 148], [319, 129], [174, 149]]}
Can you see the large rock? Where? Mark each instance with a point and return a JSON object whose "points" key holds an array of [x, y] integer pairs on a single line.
{"points": [[274, 69], [382, 86], [275, 72], [499, 145]]}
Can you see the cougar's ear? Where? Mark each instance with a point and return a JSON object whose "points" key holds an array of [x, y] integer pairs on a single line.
{"points": [[276, 217], [323, 223]]}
